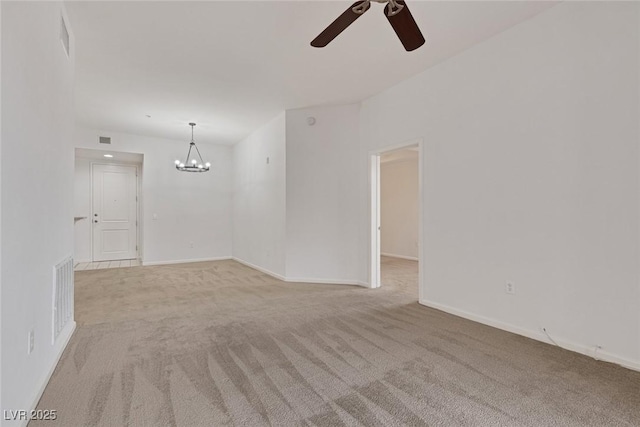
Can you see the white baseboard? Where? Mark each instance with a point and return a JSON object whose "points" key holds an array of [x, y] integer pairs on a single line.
{"points": [[300, 279], [325, 281], [64, 337], [538, 336], [260, 269], [185, 261], [410, 258]]}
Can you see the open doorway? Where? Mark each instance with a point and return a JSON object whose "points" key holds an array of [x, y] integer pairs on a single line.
{"points": [[395, 225], [107, 209]]}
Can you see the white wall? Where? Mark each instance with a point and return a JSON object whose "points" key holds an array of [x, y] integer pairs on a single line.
{"points": [[322, 194], [37, 202], [259, 198], [191, 209], [1, 406], [399, 208], [531, 175], [296, 217]]}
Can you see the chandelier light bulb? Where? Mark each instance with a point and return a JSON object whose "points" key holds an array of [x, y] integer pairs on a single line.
{"points": [[194, 161], [177, 162], [207, 164], [199, 166], [181, 165]]}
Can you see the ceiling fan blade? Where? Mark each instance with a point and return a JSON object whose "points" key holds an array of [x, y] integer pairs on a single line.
{"points": [[404, 25], [341, 23]]}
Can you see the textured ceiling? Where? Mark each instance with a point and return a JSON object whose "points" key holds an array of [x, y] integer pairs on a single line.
{"points": [[232, 66]]}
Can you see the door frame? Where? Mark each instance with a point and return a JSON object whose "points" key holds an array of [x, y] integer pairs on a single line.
{"points": [[138, 205], [374, 212]]}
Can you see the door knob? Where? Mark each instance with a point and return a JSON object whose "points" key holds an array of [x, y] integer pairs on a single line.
{"points": [[95, 220], [95, 214]]}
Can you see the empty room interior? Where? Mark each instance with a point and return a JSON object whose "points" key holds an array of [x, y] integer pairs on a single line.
{"points": [[320, 213]]}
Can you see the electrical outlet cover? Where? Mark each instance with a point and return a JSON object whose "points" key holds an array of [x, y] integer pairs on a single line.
{"points": [[31, 342], [510, 288]]}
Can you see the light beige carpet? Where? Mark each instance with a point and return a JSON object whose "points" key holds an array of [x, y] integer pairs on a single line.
{"points": [[217, 343]]}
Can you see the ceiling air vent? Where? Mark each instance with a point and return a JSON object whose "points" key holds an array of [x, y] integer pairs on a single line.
{"points": [[64, 35], [104, 139]]}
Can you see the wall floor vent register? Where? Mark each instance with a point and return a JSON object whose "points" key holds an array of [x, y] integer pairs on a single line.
{"points": [[62, 296]]}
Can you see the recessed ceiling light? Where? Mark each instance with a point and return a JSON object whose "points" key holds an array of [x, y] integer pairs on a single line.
{"points": [[108, 155]]}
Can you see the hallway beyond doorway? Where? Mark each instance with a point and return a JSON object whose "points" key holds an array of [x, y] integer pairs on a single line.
{"points": [[399, 274]]}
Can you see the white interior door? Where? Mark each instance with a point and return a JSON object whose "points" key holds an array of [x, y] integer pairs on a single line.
{"points": [[115, 212]]}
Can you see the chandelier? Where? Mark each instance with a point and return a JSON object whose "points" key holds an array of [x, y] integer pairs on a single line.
{"points": [[192, 164]]}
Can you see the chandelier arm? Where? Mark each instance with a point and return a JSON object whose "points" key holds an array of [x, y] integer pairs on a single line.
{"points": [[199, 155], [188, 154]]}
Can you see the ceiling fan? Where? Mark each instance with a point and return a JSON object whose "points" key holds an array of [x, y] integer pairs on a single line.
{"points": [[396, 12]]}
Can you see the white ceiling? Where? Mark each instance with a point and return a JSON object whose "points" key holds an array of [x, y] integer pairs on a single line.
{"points": [[232, 66]]}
